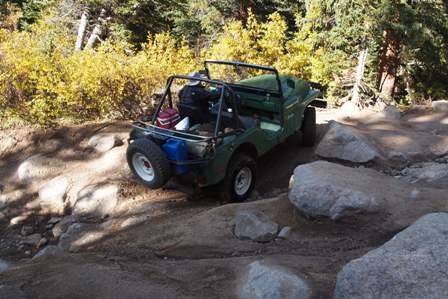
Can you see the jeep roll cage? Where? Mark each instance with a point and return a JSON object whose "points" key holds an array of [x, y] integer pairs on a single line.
{"points": [[150, 128], [278, 92]]}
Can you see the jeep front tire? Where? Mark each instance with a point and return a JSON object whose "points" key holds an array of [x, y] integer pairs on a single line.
{"points": [[309, 127]]}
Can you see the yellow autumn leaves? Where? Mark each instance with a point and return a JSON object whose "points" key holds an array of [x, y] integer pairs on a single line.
{"points": [[43, 80]]}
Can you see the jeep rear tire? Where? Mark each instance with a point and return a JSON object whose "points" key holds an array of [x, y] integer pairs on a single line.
{"points": [[309, 127], [240, 178], [148, 162]]}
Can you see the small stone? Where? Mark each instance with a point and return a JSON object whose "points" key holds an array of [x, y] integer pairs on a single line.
{"points": [[42, 242], [32, 239], [284, 233], [254, 225], [54, 220], [62, 226], [28, 252], [18, 220], [26, 230]]}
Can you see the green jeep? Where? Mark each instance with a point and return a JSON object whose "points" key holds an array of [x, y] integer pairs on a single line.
{"points": [[256, 110]]}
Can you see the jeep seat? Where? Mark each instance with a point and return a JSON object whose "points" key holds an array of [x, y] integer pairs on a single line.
{"points": [[195, 113]]}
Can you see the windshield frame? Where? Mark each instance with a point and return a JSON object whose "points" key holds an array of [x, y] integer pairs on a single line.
{"points": [[278, 92]]}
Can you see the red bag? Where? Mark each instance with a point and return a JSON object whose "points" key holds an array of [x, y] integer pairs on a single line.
{"points": [[168, 118]]}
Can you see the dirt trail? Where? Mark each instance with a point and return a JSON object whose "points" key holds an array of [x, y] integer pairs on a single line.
{"points": [[165, 246]]}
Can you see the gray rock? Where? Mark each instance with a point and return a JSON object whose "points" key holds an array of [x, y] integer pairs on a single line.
{"points": [[254, 225], [26, 230], [265, 281], [346, 143], [62, 226], [391, 112], [97, 200], [80, 235], [52, 195], [284, 233], [440, 106], [54, 220], [3, 266], [48, 251], [42, 242], [104, 142], [429, 172], [66, 239], [32, 240], [39, 167], [328, 189], [411, 265]]}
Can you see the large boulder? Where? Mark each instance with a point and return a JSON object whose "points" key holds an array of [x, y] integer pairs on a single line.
{"points": [[328, 189], [97, 200], [266, 281], [440, 106], [346, 143], [104, 142], [52, 195], [254, 225], [411, 265], [39, 167]]}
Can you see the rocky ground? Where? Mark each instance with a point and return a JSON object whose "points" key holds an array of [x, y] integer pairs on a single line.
{"points": [[362, 215]]}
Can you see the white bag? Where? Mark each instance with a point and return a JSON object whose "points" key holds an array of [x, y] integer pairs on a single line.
{"points": [[183, 125]]}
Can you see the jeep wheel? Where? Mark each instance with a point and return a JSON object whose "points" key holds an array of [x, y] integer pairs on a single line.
{"points": [[309, 127], [240, 179], [148, 162]]}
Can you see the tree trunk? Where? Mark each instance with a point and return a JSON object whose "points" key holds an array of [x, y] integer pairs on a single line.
{"points": [[97, 31], [81, 30], [359, 76], [242, 10], [388, 65]]}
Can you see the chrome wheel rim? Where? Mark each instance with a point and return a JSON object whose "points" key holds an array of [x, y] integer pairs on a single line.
{"points": [[243, 181], [143, 167]]}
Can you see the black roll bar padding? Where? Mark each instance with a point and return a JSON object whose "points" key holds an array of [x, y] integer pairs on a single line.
{"points": [[255, 66], [248, 65], [319, 104], [221, 100]]}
